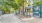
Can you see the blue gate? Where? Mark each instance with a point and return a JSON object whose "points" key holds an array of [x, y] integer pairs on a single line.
{"points": [[40, 11], [36, 11]]}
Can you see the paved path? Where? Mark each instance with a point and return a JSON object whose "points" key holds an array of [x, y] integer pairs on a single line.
{"points": [[9, 18], [12, 18]]}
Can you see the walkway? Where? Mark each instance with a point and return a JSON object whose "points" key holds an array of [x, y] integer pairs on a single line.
{"points": [[12, 18]]}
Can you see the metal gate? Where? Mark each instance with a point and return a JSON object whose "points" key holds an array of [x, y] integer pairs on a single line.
{"points": [[40, 11], [36, 11]]}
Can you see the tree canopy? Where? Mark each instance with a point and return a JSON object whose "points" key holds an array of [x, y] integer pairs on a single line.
{"points": [[13, 3], [7, 4]]}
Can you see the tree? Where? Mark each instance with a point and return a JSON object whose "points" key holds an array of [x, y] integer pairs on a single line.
{"points": [[7, 4], [20, 4], [16, 4]]}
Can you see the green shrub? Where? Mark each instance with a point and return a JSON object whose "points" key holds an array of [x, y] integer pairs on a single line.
{"points": [[6, 10]]}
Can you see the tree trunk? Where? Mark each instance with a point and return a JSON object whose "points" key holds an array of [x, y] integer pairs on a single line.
{"points": [[23, 8]]}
